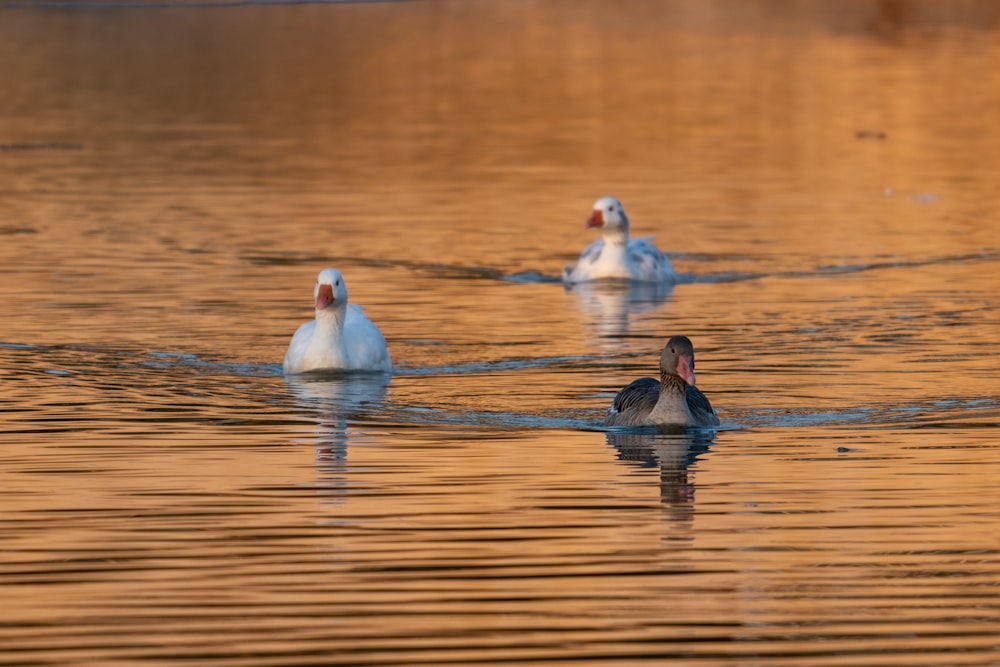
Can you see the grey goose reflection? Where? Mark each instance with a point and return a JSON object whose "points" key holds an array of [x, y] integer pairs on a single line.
{"points": [[672, 400]]}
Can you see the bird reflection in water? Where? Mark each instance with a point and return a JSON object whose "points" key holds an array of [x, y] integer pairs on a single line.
{"points": [[332, 399], [608, 304], [672, 450]]}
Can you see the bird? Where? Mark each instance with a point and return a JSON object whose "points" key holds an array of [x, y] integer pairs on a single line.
{"points": [[672, 400], [615, 255], [341, 337]]}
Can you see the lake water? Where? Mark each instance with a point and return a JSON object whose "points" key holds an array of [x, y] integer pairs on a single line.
{"points": [[173, 177]]}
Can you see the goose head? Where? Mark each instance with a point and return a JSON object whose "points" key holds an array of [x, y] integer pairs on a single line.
{"points": [[330, 290], [609, 215], [677, 358]]}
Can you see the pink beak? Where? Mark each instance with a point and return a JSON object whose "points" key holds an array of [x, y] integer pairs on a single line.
{"points": [[685, 368], [324, 296], [596, 219]]}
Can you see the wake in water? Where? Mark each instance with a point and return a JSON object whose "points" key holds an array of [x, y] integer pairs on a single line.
{"points": [[532, 276], [364, 398]]}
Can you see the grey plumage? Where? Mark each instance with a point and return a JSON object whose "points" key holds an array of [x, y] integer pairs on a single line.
{"points": [[700, 407], [671, 400], [638, 396]]}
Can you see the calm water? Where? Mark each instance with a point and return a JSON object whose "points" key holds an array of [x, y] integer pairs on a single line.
{"points": [[825, 178]]}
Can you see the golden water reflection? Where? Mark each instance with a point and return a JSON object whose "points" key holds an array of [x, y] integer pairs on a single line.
{"points": [[822, 174]]}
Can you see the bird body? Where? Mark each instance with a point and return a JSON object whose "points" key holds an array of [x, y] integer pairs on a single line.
{"points": [[673, 400], [341, 337], [615, 255]]}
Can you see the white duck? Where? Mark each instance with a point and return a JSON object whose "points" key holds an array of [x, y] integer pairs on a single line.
{"points": [[615, 255], [340, 337]]}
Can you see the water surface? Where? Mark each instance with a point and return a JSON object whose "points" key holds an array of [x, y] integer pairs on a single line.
{"points": [[174, 177]]}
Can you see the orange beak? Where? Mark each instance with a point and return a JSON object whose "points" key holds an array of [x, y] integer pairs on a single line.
{"points": [[596, 219], [324, 296], [685, 368]]}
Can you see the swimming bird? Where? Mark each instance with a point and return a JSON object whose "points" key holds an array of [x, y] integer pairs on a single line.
{"points": [[341, 336], [673, 400], [615, 255]]}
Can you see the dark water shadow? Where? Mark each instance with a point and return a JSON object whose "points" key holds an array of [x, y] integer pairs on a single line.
{"points": [[672, 451]]}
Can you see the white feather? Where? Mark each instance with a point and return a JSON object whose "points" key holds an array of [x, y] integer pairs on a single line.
{"points": [[615, 255], [341, 336]]}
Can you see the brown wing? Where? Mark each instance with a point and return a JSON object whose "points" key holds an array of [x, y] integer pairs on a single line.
{"points": [[701, 409], [633, 403]]}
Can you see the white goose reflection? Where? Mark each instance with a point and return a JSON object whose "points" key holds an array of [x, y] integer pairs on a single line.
{"points": [[609, 304], [332, 398]]}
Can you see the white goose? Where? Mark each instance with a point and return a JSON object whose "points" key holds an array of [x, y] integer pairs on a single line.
{"points": [[340, 337], [615, 255]]}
